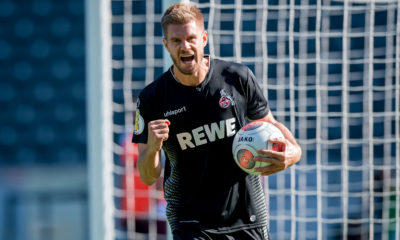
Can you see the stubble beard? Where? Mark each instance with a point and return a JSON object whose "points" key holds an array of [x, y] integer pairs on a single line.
{"points": [[176, 62]]}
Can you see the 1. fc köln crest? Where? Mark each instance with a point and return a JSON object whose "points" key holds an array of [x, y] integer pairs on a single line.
{"points": [[226, 100]]}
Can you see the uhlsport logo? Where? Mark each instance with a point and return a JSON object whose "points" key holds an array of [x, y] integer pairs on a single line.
{"points": [[175, 111], [226, 100]]}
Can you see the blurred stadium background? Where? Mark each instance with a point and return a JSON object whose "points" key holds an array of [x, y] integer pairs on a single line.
{"points": [[71, 72], [43, 162]]}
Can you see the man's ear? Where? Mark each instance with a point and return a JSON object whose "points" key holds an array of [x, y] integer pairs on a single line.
{"points": [[205, 38], [164, 40]]}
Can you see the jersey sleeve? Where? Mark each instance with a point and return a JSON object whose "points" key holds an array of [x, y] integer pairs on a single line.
{"points": [[141, 120], [257, 105]]}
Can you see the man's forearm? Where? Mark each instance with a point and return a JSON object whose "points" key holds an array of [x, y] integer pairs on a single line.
{"points": [[149, 165], [286, 132]]}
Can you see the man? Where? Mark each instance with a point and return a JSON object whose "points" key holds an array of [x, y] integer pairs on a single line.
{"points": [[192, 112]]}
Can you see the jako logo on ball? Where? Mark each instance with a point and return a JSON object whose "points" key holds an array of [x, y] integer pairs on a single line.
{"points": [[245, 139], [250, 138]]}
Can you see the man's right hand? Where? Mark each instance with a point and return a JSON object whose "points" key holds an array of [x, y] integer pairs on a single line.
{"points": [[158, 131]]}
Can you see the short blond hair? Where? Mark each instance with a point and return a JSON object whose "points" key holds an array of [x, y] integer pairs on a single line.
{"points": [[181, 13]]}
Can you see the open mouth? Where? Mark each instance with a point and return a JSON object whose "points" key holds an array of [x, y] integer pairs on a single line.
{"points": [[187, 58]]}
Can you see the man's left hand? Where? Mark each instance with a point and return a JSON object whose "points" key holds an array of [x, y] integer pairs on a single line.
{"points": [[288, 155]]}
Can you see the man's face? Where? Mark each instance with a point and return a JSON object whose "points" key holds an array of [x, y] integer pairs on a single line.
{"points": [[185, 43]]}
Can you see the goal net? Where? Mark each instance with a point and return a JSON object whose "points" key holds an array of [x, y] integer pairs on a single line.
{"points": [[331, 73]]}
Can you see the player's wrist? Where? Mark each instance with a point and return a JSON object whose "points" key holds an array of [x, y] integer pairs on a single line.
{"points": [[152, 150]]}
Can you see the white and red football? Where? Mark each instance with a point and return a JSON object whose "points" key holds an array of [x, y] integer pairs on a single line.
{"points": [[250, 138]]}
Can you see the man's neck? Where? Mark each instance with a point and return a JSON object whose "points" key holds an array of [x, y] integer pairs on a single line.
{"points": [[196, 78]]}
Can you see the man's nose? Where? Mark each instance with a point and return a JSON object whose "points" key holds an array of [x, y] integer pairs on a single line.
{"points": [[185, 44]]}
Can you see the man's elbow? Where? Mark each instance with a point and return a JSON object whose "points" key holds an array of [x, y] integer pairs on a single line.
{"points": [[148, 180], [147, 177]]}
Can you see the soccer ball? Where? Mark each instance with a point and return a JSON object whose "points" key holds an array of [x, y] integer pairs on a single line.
{"points": [[250, 138]]}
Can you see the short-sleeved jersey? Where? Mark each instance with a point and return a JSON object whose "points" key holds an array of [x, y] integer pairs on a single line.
{"points": [[202, 183]]}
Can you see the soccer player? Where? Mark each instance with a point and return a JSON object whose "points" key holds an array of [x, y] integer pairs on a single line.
{"points": [[192, 112]]}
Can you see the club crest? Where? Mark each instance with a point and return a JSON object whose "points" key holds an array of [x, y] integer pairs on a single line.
{"points": [[226, 100]]}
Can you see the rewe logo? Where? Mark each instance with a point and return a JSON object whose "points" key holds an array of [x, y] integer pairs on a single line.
{"points": [[207, 133]]}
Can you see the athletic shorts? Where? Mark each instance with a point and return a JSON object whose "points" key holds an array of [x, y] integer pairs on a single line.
{"points": [[188, 233]]}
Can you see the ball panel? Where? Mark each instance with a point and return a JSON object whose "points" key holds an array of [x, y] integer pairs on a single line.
{"points": [[279, 147], [241, 152], [245, 158], [251, 126]]}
